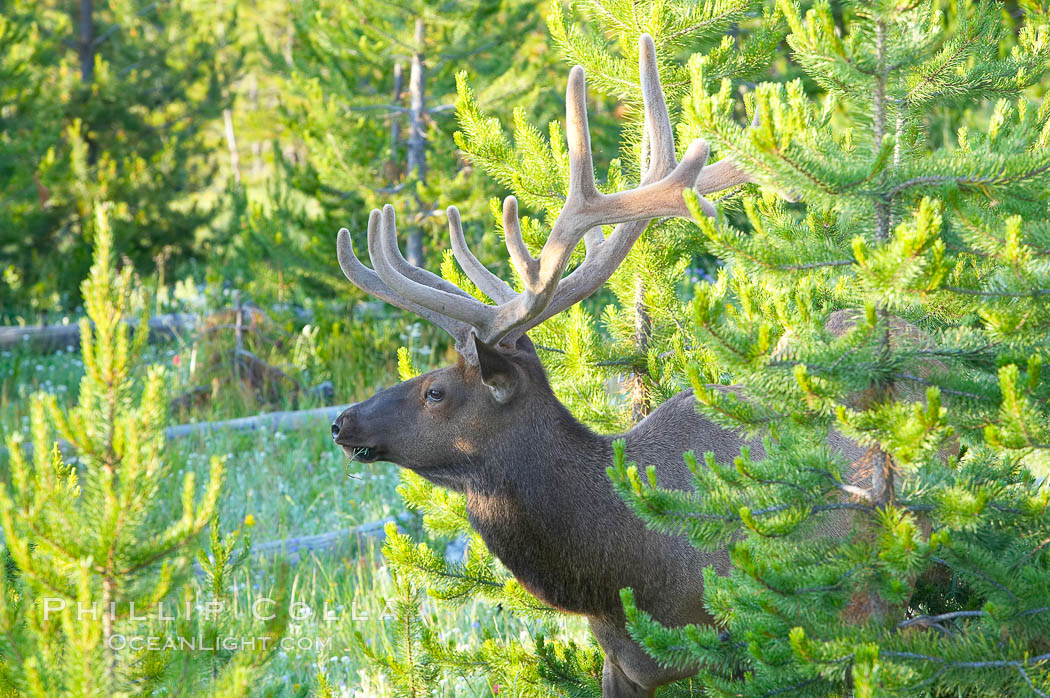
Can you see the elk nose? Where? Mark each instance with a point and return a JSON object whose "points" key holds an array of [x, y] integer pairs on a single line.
{"points": [[342, 428]]}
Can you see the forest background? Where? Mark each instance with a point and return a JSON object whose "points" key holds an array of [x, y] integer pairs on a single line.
{"points": [[191, 160]]}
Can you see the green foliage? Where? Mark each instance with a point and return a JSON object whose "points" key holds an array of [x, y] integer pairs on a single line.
{"points": [[225, 670], [902, 149], [92, 548], [636, 333], [924, 254], [122, 121], [29, 124], [347, 95], [643, 319], [411, 670], [543, 662]]}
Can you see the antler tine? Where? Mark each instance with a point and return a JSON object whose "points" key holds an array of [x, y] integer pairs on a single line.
{"points": [[358, 274], [662, 158], [490, 284], [724, 173], [457, 305], [368, 281], [582, 188], [586, 209], [658, 152], [663, 182], [523, 261], [403, 266]]}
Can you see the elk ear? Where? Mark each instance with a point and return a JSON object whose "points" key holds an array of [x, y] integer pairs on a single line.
{"points": [[497, 372]]}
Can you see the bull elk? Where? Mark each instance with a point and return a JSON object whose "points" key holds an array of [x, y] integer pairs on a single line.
{"points": [[490, 427]]}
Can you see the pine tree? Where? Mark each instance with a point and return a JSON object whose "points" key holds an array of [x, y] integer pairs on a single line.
{"points": [[134, 87], [903, 303], [29, 124], [369, 90], [637, 333], [93, 546], [633, 337]]}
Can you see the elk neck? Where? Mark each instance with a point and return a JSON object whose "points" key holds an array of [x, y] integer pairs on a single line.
{"points": [[543, 504]]}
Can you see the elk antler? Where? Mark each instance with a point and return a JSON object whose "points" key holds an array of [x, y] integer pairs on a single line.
{"points": [[586, 209]]}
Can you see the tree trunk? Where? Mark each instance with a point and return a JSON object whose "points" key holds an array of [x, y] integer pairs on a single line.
{"points": [[257, 146], [417, 145], [642, 332], [268, 421], [108, 613], [86, 42], [52, 338], [882, 472], [865, 605], [231, 142], [392, 170], [395, 121]]}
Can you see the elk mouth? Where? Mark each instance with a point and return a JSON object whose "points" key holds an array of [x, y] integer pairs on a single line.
{"points": [[362, 454]]}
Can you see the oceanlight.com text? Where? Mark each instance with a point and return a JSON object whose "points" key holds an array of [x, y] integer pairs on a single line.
{"points": [[199, 643]]}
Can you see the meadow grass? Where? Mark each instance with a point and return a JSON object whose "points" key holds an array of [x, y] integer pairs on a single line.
{"points": [[292, 483]]}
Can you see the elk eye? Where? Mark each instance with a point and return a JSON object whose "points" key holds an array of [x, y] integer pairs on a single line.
{"points": [[435, 395]]}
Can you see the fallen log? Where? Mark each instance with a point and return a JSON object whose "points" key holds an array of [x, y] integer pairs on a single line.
{"points": [[350, 539], [52, 338], [270, 421], [353, 540]]}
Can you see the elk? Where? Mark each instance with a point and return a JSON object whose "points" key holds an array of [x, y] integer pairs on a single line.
{"points": [[534, 477]]}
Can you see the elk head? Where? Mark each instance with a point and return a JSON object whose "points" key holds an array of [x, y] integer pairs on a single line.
{"points": [[440, 420], [447, 417]]}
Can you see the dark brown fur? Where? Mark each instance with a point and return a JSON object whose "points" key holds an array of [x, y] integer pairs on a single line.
{"points": [[537, 491]]}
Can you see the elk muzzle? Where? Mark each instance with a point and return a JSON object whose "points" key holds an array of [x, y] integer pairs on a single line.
{"points": [[346, 434]]}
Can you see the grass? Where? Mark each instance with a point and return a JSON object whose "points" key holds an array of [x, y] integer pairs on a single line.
{"points": [[358, 593], [293, 483]]}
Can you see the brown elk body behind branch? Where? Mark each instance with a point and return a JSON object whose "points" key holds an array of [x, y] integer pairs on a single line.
{"points": [[491, 427], [538, 494]]}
